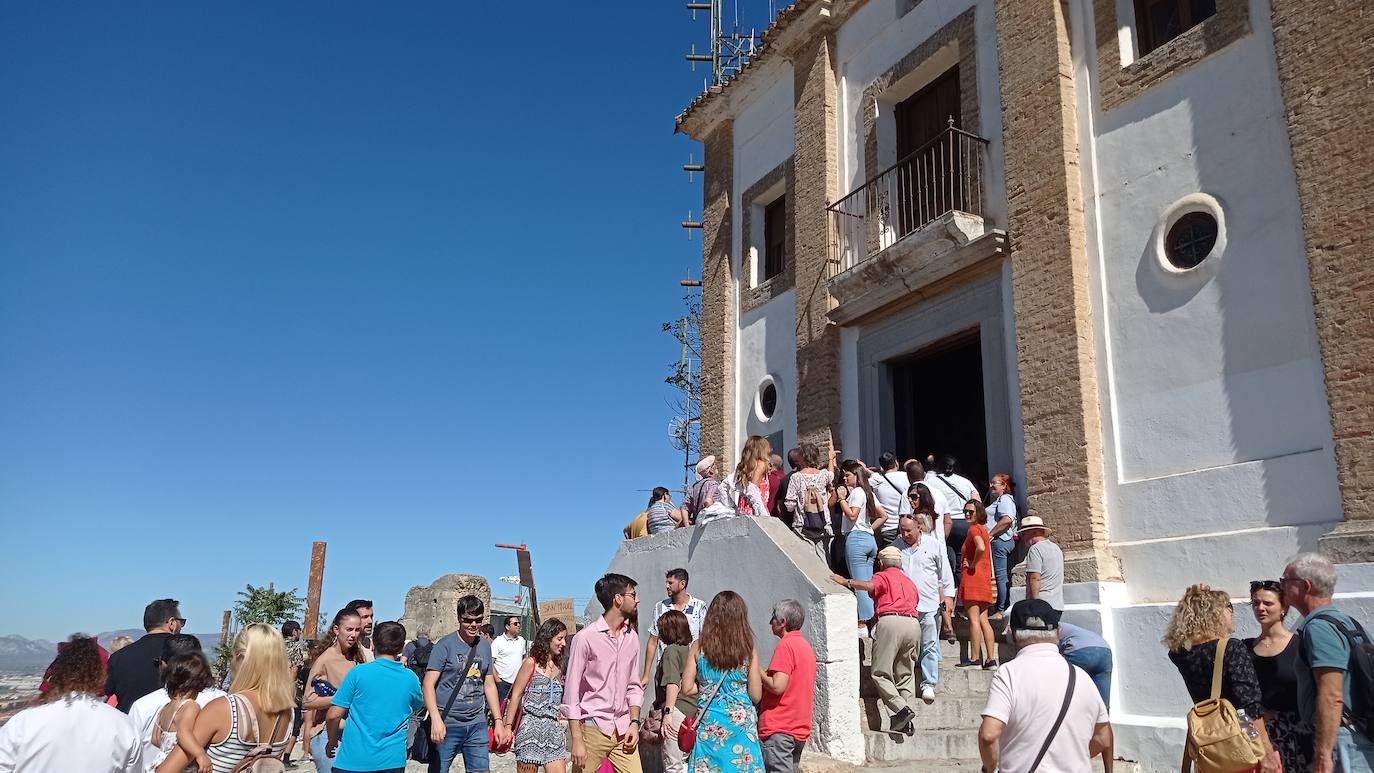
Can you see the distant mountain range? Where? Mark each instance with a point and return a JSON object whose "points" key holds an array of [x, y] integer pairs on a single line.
{"points": [[32, 656]]}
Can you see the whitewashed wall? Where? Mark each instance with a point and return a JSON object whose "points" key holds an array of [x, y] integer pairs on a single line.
{"points": [[766, 339], [1219, 450]]}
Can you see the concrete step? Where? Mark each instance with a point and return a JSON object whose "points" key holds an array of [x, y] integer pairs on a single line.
{"points": [[926, 745], [955, 682]]}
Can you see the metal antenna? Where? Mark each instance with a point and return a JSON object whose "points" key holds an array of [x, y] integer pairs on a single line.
{"points": [[729, 51]]}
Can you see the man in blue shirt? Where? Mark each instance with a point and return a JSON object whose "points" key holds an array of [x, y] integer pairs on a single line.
{"points": [[378, 699], [1308, 583], [1090, 652]]}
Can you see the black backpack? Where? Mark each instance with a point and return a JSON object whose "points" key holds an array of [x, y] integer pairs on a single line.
{"points": [[1361, 671], [419, 661]]}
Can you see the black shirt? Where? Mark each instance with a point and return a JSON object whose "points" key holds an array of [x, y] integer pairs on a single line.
{"points": [[1278, 675], [134, 670], [1238, 682]]}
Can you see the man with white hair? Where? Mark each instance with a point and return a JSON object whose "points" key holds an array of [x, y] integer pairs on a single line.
{"points": [[789, 691], [1018, 734], [1326, 635], [704, 492], [924, 561], [896, 637]]}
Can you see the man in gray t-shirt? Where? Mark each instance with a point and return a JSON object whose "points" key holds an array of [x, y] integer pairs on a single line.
{"points": [[1044, 563], [461, 662]]}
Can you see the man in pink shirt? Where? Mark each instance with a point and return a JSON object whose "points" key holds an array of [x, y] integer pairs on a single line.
{"points": [[896, 638], [603, 694], [789, 691]]}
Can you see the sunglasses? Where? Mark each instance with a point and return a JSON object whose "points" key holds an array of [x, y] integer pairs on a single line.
{"points": [[181, 620], [1273, 585], [472, 621]]}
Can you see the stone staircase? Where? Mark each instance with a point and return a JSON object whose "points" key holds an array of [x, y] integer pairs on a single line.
{"points": [[946, 731]]}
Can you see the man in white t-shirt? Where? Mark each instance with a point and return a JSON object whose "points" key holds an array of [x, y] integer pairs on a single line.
{"points": [[507, 652], [889, 488], [675, 583], [1028, 693], [145, 710]]}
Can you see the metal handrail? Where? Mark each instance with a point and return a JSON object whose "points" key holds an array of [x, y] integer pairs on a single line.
{"points": [[943, 175]]}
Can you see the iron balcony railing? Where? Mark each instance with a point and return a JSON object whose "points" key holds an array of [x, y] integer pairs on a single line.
{"points": [[942, 176]]}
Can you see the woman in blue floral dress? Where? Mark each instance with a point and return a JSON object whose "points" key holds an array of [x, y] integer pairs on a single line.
{"points": [[724, 655]]}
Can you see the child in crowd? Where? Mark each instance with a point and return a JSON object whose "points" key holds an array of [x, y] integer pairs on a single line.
{"points": [[184, 677]]}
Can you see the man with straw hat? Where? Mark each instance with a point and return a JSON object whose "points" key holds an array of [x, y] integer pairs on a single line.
{"points": [[896, 636], [1044, 563]]}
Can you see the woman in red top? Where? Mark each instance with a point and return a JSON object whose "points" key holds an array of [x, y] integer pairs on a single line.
{"points": [[976, 588]]}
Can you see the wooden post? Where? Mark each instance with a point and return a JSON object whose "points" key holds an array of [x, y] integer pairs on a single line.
{"points": [[312, 596], [224, 627]]}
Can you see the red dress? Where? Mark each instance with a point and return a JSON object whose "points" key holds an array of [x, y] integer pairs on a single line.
{"points": [[976, 582]]}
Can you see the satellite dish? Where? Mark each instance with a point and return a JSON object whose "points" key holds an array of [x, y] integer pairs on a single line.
{"points": [[678, 430]]}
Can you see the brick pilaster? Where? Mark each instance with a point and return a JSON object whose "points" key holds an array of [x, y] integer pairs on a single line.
{"points": [[1326, 66], [816, 166], [718, 298], [1050, 284]]}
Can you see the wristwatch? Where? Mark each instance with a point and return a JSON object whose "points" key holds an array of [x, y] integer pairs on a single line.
{"points": [[634, 721]]}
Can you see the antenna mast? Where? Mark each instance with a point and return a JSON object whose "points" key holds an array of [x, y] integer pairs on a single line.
{"points": [[729, 50]]}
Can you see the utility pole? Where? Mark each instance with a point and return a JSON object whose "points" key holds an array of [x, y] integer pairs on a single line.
{"points": [[224, 627], [312, 596], [522, 562]]}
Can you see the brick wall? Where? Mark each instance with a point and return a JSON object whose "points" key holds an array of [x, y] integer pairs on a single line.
{"points": [[1326, 71], [1050, 291], [718, 298], [816, 169]]}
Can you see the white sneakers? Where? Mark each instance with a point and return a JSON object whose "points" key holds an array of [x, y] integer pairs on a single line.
{"points": [[927, 693]]}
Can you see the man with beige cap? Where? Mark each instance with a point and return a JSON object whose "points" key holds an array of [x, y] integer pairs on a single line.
{"points": [[896, 636], [1044, 563], [704, 492]]}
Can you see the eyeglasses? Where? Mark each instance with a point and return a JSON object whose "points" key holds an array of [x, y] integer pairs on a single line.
{"points": [[472, 621], [181, 620], [631, 593], [1273, 585]]}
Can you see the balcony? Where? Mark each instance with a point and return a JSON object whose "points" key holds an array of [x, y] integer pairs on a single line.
{"points": [[916, 223]]}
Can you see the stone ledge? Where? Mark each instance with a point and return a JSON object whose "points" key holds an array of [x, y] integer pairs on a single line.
{"points": [[917, 265], [1351, 542]]}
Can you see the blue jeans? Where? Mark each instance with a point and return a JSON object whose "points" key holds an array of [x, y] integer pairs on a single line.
{"points": [[471, 740], [1353, 752], [318, 742], [1001, 548], [1097, 662], [860, 551], [930, 648]]}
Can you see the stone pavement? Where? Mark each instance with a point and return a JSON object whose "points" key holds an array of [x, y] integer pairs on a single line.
{"points": [[505, 763]]}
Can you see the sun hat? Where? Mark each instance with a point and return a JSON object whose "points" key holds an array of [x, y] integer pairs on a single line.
{"points": [[1033, 522], [707, 462], [890, 552]]}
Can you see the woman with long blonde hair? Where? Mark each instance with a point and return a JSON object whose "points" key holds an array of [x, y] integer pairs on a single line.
{"points": [[742, 492], [723, 672], [257, 710], [1201, 623]]}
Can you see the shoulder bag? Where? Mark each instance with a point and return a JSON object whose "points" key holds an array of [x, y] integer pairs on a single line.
{"points": [[1217, 741], [431, 749], [687, 734], [963, 499], [1059, 720]]}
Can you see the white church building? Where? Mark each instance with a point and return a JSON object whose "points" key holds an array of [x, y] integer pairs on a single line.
{"points": [[1118, 249]]}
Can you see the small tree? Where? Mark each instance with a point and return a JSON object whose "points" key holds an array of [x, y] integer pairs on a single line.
{"points": [[267, 605], [257, 604]]}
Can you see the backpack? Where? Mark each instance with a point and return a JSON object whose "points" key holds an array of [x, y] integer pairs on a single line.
{"points": [[261, 759], [814, 513], [1217, 741], [419, 660], [1361, 671]]}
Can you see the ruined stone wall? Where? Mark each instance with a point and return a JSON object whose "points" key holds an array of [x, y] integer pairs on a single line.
{"points": [[433, 608]]}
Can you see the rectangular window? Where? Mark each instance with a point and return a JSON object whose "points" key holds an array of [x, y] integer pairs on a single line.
{"points": [[774, 237], [1160, 21]]}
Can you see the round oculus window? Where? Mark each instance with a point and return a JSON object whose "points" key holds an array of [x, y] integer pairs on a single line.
{"points": [[768, 399], [1190, 240]]}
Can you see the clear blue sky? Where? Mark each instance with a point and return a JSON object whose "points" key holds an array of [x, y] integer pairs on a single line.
{"points": [[390, 276]]}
